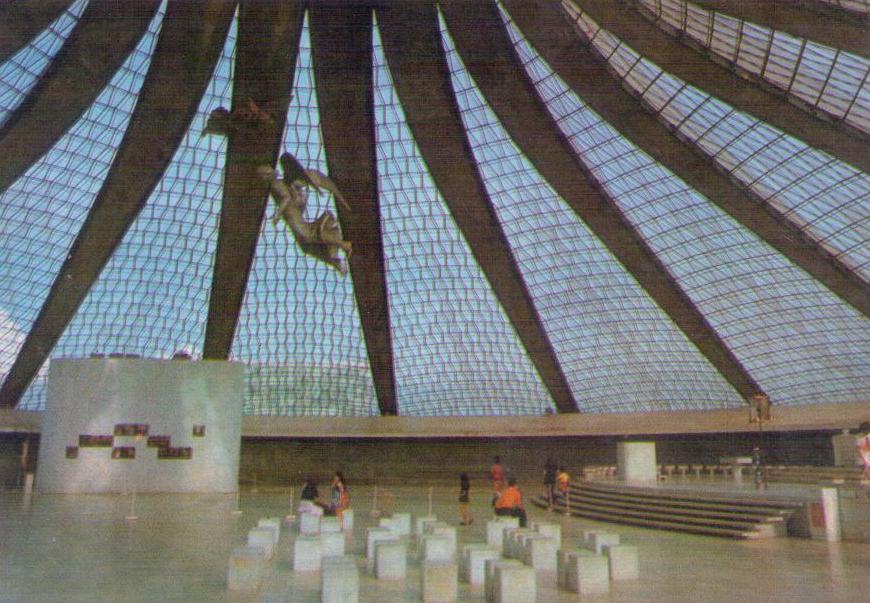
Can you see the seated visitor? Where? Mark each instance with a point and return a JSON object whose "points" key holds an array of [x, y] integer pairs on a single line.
{"points": [[310, 502], [510, 502]]}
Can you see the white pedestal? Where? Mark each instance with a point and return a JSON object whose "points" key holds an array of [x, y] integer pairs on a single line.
{"points": [[347, 520], [474, 557], [495, 530], [489, 568], [598, 540], [263, 538], [562, 564], [540, 553], [309, 524], [636, 462], [332, 544], [553, 530], [439, 529], [511, 545], [514, 584], [330, 524], [375, 535], [271, 522], [421, 522], [587, 574], [245, 572], [307, 554], [623, 562], [439, 582], [391, 561], [339, 580], [436, 548]]}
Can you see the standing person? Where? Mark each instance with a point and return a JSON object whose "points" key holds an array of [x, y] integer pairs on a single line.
{"points": [[862, 447], [339, 499], [510, 503], [563, 480], [465, 518], [550, 482], [497, 473]]}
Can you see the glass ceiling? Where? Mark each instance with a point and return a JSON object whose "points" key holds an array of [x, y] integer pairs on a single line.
{"points": [[455, 351]]}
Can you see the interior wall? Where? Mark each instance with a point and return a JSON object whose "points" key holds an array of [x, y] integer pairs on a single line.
{"points": [[289, 461]]}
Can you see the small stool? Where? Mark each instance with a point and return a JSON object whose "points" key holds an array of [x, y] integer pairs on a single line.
{"points": [[307, 554], [623, 562], [263, 538], [436, 548], [391, 560], [438, 581], [587, 574], [332, 544], [339, 580], [514, 584], [309, 524], [375, 535], [540, 552], [474, 557]]}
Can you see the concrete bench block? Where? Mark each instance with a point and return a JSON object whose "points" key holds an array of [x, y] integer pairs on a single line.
{"points": [[347, 520], [552, 530], [511, 547], [263, 538], [514, 584], [271, 522], [339, 580], [623, 562], [420, 523], [330, 525], [436, 548], [309, 523], [587, 574], [599, 540], [307, 554], [473, 564], [246, 567], [441, 529], [391, 560], [402, 523], [332, 544], [439, 582], [562, 564], [375, 535], [489, 567], [540, 553]]}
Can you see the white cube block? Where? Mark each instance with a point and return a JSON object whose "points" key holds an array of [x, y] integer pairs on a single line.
{"points": [[309, 523], [339, 580], [391, 560], [330, 524], [375, 535], [271, 522], [402, 523], [421, 522], [347, 520], [623, 561], [514, 584], [436, 548], [540, 553], [489, 567], [439, 581], [553, 530], [246, 567], [307, 554], [599, 540], [474, 557], [587, 534], [562, 564], [263, 538], [388, 523], [511, 547], [438, 529], [587, 574], [332, 544]]}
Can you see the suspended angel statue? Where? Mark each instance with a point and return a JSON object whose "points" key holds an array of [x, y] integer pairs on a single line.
{"points": [[322, 238]]}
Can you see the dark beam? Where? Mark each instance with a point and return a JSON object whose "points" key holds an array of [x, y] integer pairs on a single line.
{"points": [[266, 50], [23, 20], [583, 69], [190, 42], [751, 94], [848, 33], [105, 35], [763, 103], [492, 62], [342, 51], [412, 42]]}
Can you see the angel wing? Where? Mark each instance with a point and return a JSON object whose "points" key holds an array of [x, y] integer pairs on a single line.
{"points": [[293, 170]]}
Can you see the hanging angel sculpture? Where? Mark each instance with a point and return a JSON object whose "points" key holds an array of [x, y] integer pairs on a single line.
{"points": [[247, 116], [322, 238]]}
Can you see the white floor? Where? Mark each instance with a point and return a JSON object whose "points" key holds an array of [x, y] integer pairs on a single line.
{"points": [[81, 549]]}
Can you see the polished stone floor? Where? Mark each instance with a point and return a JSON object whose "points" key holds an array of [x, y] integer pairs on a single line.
{"points": [[74, 549]]}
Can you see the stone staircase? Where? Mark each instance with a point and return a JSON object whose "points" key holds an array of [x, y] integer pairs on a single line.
{"points": [[696, 513]]}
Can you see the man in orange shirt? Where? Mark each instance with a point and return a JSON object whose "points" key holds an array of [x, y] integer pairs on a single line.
{"points": [[510, 503]]}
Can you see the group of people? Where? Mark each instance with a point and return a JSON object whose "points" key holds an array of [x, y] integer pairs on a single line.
{"points": [[339, 497], [555, 479]]}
